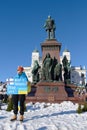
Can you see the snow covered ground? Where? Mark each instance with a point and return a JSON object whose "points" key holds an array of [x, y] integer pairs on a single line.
{"points": [[41, 116]]}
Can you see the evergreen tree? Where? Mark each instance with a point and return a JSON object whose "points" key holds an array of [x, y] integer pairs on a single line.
{"points": [[79, 110], [10, 104]]}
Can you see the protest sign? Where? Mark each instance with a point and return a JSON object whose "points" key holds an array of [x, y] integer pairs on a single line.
{"points": [[17, 86]]}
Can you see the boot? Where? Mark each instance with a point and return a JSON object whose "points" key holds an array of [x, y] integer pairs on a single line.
{"points": [[21, 117], [14, 118]]}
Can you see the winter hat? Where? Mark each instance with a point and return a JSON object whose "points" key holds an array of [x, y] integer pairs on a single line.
{"points": [[20, 68]]}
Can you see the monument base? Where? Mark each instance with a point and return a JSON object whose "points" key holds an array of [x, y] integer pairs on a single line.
{"points": [[54, 92], [50, 92]]}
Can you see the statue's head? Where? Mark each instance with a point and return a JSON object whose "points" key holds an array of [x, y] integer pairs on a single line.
{"points": [[49, 17], [48, 55]]}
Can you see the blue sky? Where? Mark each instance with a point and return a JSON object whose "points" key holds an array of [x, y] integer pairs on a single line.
{"points": [[21, 31]]}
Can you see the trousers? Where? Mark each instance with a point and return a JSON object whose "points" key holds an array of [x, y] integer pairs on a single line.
{"points": [[18, 98]]}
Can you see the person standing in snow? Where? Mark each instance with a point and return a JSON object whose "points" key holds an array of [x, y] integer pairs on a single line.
{"points": [[16, 97]]}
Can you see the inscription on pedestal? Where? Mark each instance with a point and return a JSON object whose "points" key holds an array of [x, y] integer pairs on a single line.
{"points": [[49, 89], [51, 98]]}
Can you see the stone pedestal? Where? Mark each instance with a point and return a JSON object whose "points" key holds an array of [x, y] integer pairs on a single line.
{"points": [[51, 92], [52, 47], [54, 92]]}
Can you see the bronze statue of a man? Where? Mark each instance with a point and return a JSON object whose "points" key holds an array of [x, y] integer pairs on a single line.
{"points": [[66, 66], [50, 27], [35, 72]]}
